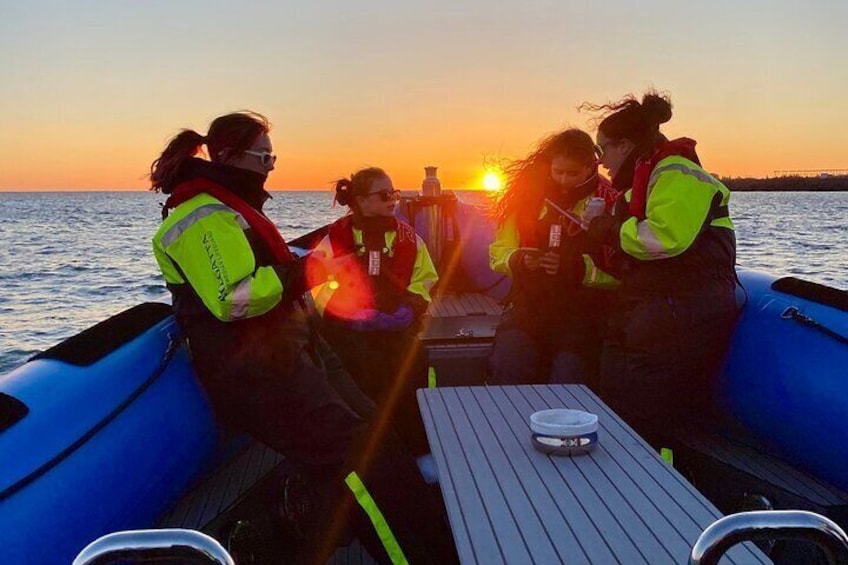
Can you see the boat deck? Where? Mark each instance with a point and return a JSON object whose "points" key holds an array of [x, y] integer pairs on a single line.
{"points": [[458, 337], [221, 491], [206, 506]]}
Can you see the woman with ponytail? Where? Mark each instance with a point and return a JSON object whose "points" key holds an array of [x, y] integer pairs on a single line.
{"points": [[372, 308], [557, 307], [237, 294], [676, 246]]}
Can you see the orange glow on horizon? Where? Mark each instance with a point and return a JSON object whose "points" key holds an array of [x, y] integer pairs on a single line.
{"points": [[95, 161]]}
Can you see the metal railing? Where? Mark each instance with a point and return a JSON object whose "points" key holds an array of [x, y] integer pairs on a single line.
{"points": [[155, 546], [770, 525]]}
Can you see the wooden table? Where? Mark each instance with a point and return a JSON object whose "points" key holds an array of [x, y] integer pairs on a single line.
{"points": [[508, 503]]}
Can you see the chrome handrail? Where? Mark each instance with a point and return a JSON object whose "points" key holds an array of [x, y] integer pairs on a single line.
{"points": [[726, 532], [142, 546]]}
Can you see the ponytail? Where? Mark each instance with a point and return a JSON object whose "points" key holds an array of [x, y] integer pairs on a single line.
{"points": [[630, 119], [229, 134], [359, 184], [183, 146]]}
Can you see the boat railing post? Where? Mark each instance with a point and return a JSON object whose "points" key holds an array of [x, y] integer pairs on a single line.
{"points": [[726, 532], [154, 546]]}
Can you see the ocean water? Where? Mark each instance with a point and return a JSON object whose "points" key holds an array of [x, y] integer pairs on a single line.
{"points": [[69, 260]]}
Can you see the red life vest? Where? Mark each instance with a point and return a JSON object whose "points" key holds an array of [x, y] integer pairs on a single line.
{"points": [[262, 227], [684, 147], [384, 290]]}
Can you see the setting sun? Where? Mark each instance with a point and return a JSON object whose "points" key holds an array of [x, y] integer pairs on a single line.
{"points": [[492, 181]]}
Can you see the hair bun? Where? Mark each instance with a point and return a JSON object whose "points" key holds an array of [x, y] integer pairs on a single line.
{"points": [[657, 108], [343, 192]]}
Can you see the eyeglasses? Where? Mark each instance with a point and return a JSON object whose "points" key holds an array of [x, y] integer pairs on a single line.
{"points": [[386, 195], [599, 151], [265, 157]]}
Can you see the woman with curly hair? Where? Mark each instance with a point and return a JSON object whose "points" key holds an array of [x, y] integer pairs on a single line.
{"points": [[557, 307]]}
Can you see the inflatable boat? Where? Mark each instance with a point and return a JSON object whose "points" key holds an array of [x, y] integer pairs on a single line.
{"points": [[109, 430]]}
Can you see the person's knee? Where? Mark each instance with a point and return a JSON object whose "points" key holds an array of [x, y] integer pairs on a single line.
{"points": [[569, 368], [514, 359]]}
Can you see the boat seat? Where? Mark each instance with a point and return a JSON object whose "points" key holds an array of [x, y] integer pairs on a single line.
{"points": [[101, 339], [732, 466], [243, 489]]}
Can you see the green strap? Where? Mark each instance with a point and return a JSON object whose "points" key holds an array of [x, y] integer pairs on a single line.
{"points": [[667, 454], [369, 505], [431, 377]]}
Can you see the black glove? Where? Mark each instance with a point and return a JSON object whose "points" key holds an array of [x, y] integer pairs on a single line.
{"points": [[293, 276], [604, 229]]}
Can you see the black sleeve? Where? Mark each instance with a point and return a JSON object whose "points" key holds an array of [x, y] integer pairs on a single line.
{"points": [[293, 276]]}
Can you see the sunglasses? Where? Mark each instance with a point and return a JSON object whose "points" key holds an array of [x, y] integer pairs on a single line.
{"points": [[386, 195], [265, 157]]}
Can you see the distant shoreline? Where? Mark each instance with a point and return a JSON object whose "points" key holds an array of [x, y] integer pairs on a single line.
{"points": [[775, 184], [788, 184]]}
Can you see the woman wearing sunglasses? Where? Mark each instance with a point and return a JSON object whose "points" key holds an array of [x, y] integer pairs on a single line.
{"points": [[559, 300], [373, 307], [676, 309], [237, 297]]}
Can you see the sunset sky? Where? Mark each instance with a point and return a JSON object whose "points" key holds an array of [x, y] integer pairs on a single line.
{"points": [[91, 90]]}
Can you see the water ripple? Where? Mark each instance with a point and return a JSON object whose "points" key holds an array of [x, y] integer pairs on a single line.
{"points": [[69, 260]]}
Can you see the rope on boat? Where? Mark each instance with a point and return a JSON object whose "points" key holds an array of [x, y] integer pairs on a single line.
{"points": [[793, 313], [174, 342]]}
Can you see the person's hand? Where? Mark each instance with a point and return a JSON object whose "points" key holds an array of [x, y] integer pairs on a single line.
{"points": [[594, 208], [530, 260], [604, 229], [373, 320], [403, 316], [549, 262]]}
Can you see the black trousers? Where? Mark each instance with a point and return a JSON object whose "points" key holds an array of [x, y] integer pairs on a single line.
{"points": [[663, 354], [389, 366], [533, 347], [317, 416]]}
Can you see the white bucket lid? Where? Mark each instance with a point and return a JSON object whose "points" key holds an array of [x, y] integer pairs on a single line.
{"points": [[562, 422]]}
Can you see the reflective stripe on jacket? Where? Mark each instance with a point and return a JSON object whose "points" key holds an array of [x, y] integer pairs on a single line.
{"points": [[205, 244], [681, 198]]}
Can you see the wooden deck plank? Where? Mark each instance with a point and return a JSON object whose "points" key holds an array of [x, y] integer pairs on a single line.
{"points": [[218, 499], [508, 503], [678, 491], [580, 476], [192, 518], [253, 468], [535, 502], [515, 547], [218, 492], [455, 485]]}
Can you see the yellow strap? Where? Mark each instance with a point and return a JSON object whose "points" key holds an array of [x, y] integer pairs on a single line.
{"points": [[667, 454], [369, 505], [431, 377]]}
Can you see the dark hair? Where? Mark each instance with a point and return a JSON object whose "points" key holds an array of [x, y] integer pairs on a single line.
{"points": [[359, 184], [527, 178], [630, 119], [232, 133]]}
